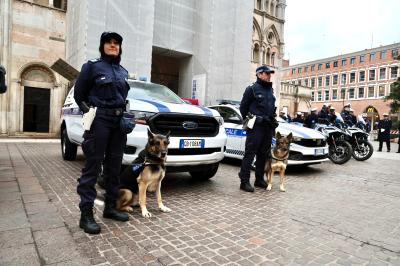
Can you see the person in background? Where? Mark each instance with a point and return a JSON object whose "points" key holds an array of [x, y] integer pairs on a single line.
{"points": [[102, 83], [323, 114], [384, 127], [285, 117], [312, 118], [3, 86], [398, 139], [332, 115], [299, 118]]}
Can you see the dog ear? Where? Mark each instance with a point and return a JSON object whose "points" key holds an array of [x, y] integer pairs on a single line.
{"points": [[290, 137], [150, 134], [278, 135], [167, 136]]}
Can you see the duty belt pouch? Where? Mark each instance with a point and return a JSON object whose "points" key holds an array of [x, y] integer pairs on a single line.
{"points": [[88, 118], [127, 123], [249, 121]]}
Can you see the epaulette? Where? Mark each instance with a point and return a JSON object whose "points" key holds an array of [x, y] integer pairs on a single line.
{"points": [[95, 60]]}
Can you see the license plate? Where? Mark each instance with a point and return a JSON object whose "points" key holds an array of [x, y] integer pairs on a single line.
{"points": [[191, 143], [319, 152]]}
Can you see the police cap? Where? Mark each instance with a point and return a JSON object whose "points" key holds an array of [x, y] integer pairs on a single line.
{"points": [[265, 69], [108, 35]]}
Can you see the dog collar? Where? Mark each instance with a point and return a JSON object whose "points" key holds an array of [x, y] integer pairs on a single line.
{"points": [[284, 159]]}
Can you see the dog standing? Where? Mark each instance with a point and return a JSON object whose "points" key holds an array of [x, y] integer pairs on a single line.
{"points": [[151, 165], [279, 160]]}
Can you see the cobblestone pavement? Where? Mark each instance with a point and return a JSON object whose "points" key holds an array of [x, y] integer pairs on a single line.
{"points": [[329, 215]]}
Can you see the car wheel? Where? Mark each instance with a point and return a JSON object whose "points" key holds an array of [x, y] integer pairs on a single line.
{"points": [[68, 149], [206, 174]]}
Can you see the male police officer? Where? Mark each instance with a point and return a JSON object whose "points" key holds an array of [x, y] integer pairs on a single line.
{"points": [[312, 118], [258, 99], [3, 86], [384, 127], [102, 83]]}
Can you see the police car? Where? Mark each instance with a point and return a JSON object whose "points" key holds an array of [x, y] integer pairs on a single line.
{"points": [[308, 147], [197, 136]]}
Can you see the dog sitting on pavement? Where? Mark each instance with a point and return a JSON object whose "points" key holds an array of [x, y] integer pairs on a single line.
{"points": [[279, 160], [146, 174]]}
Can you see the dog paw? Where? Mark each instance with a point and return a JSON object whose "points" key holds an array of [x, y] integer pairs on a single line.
{"points": [[282, 189], [129, 209], [146, 214], [269, 187], [165, 209]]}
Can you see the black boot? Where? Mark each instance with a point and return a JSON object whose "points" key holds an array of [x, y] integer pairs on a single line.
{"points": [[246, 187], [110, 211], [87, 222], [260, 182]]}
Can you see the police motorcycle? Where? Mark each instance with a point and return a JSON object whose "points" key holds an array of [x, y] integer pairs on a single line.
{"points": [[340, 150], [362, 148]]}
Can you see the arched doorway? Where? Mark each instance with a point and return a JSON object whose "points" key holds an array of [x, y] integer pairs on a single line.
{"points": [[37, 82], [372, 115]]}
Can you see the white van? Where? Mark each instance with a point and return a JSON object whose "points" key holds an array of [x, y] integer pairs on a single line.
{"points": [[197, 136]]}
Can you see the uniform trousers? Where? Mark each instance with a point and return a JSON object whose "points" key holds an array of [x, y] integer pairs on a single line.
{"points": [[258, 143], [103, 144]]}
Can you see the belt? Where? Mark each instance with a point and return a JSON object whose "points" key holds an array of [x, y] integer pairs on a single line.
{"points": [[109, 111]]}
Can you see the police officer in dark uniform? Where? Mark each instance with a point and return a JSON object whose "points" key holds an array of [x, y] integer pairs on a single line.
{"points": [[311, 119], [384, 127], [102, 83], [258, 99], [3, 86], [298, 118]]}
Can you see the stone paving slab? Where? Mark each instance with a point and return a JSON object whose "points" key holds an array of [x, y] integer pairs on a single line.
{"points": [[26, 215], [330, 215]]}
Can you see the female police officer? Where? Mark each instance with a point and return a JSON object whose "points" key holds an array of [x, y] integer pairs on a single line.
{"points": [[102, 83]]}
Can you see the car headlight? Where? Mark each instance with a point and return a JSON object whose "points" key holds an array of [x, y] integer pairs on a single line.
{"points": [[296, 138], [220, 120], [141, 116]]}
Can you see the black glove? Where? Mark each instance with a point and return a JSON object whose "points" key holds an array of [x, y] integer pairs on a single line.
{"points": [[84, 107], [274, 123], [266, 119]]}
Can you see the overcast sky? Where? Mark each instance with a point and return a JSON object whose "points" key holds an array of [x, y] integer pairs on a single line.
{"points": [[316, 29]]}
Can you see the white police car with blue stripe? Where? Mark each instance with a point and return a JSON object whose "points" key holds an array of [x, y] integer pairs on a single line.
{"points": [[197, 136], [308, 147]]}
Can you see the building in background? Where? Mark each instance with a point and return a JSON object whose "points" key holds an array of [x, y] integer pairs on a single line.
{"points": [[267, 39], [32, 38], [361, 78], [199, 49]]}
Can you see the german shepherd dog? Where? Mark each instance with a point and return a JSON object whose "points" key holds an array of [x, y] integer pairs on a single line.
{"points": [[152, 166], [279, 160]]}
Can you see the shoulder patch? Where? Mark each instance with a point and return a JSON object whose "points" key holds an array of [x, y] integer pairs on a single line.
{"points": [[95, 60]]}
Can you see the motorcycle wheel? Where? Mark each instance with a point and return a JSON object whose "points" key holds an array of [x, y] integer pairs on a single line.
{"points": [[363, 151], [342, 153]]}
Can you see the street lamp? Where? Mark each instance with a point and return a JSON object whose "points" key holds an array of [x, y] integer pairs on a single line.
{"points": [[343, 91]]}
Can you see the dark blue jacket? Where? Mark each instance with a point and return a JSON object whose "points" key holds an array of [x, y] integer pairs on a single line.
{"points": [[259, 100], [386, 125], [311, 120], [102, 83]]}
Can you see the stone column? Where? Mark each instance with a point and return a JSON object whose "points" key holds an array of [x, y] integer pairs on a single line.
{"points": [[5, 61]]}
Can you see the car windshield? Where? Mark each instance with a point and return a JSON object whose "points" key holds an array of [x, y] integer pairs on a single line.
{"points": [[151, 92]]}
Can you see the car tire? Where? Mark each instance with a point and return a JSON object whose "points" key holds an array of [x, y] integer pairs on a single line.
{"points": [[68, 149], [206, 174]]}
